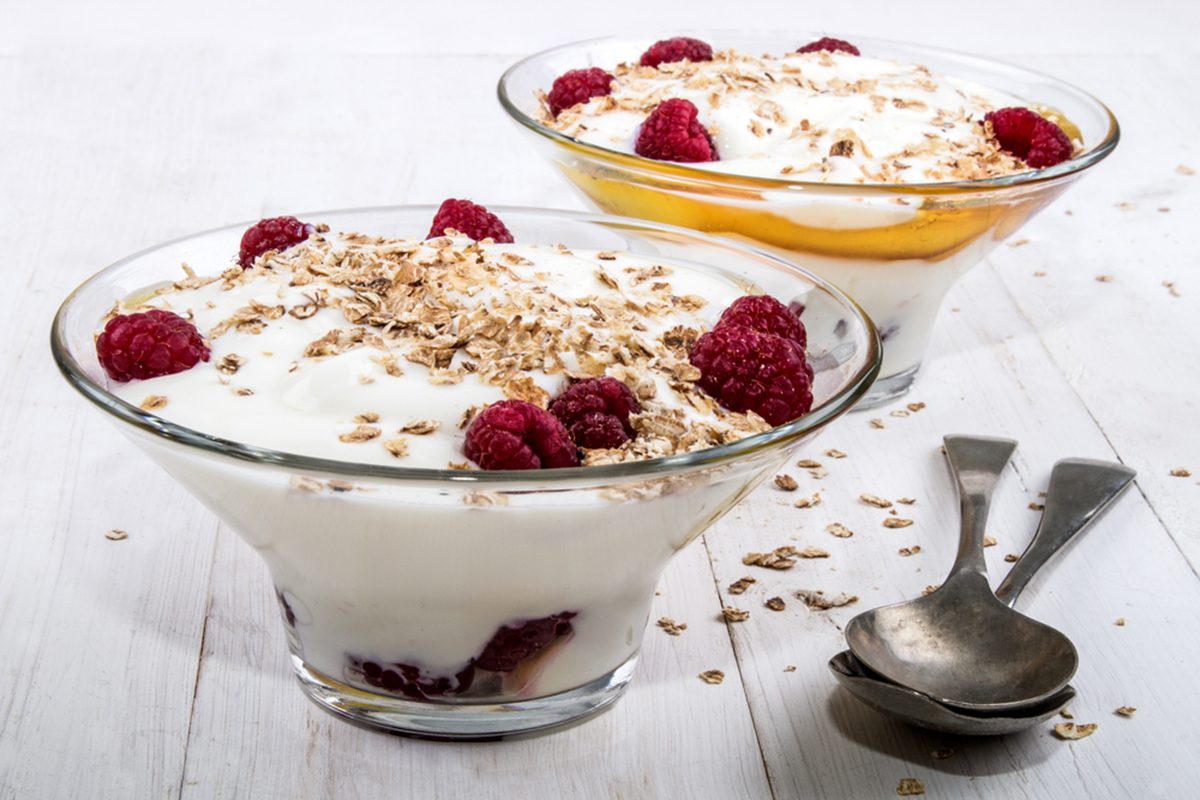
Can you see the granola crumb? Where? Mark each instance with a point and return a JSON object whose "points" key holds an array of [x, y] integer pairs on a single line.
{"points": [[872, 500], [990, 541], [786, 482], [1011, 557], [910, 787], [740, 585], [931, 588], [1037, 506], [1126, 711], [1120, 623], [1104, 278], [732, 614], [839, 530], [899, 412], [779, 558], [833, 453], [814, 552], [942, 753], [876, 423], [775, 604], [790, 668], [810, 501], [713, 676], [897, 522], [1073, 731], [671, 627], [1171, 288], [910, 551], [153, 402], [116, 535], [1180, 472], [915, 407]]}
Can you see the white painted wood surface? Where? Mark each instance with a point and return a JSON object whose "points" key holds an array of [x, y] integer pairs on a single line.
{"points": [[154, 666]]}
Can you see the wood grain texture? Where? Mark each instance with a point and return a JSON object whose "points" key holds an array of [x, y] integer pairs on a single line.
{"points": [[155, 666]]}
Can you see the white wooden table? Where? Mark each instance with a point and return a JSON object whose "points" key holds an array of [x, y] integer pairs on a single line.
{"points": [[155, 666]]}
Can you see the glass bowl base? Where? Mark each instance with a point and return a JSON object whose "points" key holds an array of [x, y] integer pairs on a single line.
{"points": [[462, 722], [889, 388]]}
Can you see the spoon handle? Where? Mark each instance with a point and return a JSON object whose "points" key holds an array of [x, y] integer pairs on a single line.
{"points": [[1080, 491], [976, 462]]}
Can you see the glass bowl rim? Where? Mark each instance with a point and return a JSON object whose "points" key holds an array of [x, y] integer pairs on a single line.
{"points": [[853, 389], [1071, 166]]}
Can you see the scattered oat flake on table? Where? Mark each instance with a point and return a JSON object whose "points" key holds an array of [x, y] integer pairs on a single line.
{"points": [[908, 501], [1171, 290], [816, 473], [1036, 507], [116, 535], [931, 588], [790, 668], [1011, 557], [915, 407], [740, 585], [810, 501], [712, 676], [910, 787], [1180, 472], [362, 433], [1184, 169], [832, 453], [897, 522], [786, 482], [839, 530], [942, 753], [910, 551], [775, 604], [899, 412], [989, 541], [813, 552], [153, 402], [876, 423], [397, 447], [1018, 243], [1125, 206], [1125, 711], [816, 600], [1120, 623], [872, 500], [1104, 278], [672, 627], [1072, 731], [1039, 274], [366, 418], [732, 614], [808, 463], [779, 558]]}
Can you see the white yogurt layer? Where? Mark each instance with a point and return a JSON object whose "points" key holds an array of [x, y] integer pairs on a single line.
{"points": [[376, 351], [829, 117]]}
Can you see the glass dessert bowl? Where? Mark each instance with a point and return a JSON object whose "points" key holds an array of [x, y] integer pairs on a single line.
{"points": [[896, 248], [469, 604]]}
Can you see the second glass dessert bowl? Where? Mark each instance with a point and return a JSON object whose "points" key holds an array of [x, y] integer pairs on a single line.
{"points": [[470, 604], [895, 248]]}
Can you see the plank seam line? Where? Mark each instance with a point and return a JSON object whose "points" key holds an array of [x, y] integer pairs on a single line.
{"points": [[1087, 409], [737, 660], [187, 741]]}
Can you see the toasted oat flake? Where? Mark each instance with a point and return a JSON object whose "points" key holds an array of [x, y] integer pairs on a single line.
{"points": [[910, 551], [397, 447], [1120, 622], [367, 418], [989, 541], [230, 364], [908, 501], [713, 676], [899, 412], [1171, 288], [876, 423], [915, 407], [814, 552], [740, 585], [1037, 507], [1126, 711], [775, 603], [242, 391], [1073, 731], [779, 558], [420, 427], [790, 668], [1180, 472], [1011, 557], [362, 433], [873, 500], [153, 402], [786, 482], [732, 614], [1018, 243], [931, 588], [340, 485], [1184, 169], [816, 600], [810, 501], [808, 463], [910, 787], [839, 530], [116, 535], [832, 453], [897, 522], [671, 627], [1104, 278]]}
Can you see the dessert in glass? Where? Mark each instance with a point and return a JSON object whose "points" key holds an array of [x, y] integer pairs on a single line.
{"points": [[465, 459], [888, 169]]}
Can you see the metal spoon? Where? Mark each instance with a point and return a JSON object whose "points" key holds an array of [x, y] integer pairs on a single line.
{"points": [[1080, 490], [960, 645]]}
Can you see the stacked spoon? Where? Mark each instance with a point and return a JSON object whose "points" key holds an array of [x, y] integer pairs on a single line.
{"points": [[961, 660]]}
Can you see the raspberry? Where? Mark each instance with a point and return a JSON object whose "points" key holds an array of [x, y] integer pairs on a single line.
{"points": [[831, 45], [746, 370], [148, 345], [678, 49], [468, 219], [596, 412], [512, 644], [672, 132], [578, 86], [410, 680], [765, 314], [1029, 136], [513, 434], [275, 233]]}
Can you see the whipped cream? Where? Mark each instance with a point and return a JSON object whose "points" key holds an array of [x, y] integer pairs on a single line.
{"points": [[829, 117], [380, 351]]}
